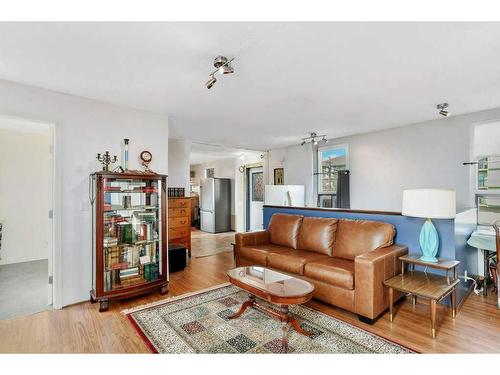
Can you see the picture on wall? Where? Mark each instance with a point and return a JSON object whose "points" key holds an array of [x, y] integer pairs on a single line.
{"points": [[279, 176], [258, 187], [209, 173]]}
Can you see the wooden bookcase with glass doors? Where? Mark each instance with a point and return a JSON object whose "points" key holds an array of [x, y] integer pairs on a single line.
{"points": [[129, 235]]}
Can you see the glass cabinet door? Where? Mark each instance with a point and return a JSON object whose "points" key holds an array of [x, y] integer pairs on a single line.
{"points": [[131, 232]]}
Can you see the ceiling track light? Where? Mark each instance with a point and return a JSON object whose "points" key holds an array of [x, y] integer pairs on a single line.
{"points": [[314, 138], [442, 109], [223, 66]]}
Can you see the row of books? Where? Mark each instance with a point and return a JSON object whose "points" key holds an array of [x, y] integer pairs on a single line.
{"points": [[122, 278], [116, 257], [124, 233]]}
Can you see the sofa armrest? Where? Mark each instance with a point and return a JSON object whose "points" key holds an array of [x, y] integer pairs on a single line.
{"points": [[252, 238], [370, 271], [249, 239]]}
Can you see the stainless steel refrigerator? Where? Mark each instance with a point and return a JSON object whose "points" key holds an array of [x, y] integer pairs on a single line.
{"points": [[215, 205]]}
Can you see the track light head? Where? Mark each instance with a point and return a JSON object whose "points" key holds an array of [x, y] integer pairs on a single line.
{"points": [[220, 61], [442, 109], [314, 138], [223, 66], [226, 69], [211, 82]]}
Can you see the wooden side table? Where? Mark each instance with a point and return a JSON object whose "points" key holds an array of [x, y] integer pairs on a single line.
{"points": [[426, 285]]}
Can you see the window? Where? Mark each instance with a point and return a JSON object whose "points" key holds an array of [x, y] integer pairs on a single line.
{"points": [[331, 159]]}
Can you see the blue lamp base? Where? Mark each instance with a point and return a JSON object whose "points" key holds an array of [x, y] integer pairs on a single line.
{"points": [[429, 242]]}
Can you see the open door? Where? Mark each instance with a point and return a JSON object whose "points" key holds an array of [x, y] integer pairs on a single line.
{"points": [[254, 198]]}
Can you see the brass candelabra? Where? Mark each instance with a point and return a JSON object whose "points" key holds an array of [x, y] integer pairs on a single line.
{"points": [[106, 159]]}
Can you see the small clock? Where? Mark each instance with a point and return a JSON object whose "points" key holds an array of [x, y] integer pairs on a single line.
{"points": [[146, 158]]}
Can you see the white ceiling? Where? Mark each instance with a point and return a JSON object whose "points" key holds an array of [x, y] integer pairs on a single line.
{"points": [[290, 78], [203, 153]]}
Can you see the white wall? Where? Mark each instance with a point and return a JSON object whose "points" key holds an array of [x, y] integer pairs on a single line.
{"points": [[297, 162], [384, 163], [84, 127], [25, 194], [178, 163], [486, 139]]}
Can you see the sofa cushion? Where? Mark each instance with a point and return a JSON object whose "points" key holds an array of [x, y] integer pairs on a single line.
{"points": [[284, 229], [317, 234], [292, 261], [356, 237], [258, 253], [334, 271]]}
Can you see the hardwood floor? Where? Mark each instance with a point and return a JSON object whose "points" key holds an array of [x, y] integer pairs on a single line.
{"points": [[205, 244], [82, 329]]}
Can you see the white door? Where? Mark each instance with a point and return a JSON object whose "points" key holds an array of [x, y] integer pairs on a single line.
{"points": [[255, 198]]}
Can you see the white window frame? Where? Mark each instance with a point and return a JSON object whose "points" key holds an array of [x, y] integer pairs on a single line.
{"points": [[319, 163]]}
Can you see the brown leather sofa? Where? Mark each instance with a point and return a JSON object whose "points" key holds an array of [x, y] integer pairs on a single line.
{"points": [[346, 260]]}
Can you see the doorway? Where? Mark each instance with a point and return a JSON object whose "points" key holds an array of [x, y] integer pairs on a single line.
{"points": [[26, 216], [254, 196]]}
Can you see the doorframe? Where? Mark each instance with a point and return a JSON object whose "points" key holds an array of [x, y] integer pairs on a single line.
{"points": [[56, 225], [246, 203]]}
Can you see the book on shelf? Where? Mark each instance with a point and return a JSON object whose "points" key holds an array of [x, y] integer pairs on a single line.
{"points": [[126, 232], [129, 272], [120, 266], [151, 271], [110, 241]]}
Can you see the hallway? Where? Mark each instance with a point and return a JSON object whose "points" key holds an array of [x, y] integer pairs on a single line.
{"points": [[205, 244]]}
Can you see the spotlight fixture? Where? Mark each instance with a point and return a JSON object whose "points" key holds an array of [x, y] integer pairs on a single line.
{"points": [[442, 109], [211, 82], [314, 138], [223, 66]]}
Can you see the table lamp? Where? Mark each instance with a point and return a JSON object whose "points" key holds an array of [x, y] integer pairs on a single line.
{"points": [[429, 204]]}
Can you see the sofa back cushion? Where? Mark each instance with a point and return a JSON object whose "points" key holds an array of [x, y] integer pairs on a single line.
{"points": [[317, 234], [356, 237], [284, 229]]}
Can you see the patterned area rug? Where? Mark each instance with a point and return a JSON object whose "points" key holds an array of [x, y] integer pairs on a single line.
{"points": [[198, 323]]}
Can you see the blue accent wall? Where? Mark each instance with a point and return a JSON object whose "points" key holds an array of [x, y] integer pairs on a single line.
{"points": [[407, 231]]}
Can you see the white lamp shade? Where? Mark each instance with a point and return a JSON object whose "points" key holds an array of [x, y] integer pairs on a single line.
{"points": [[429, 203]]}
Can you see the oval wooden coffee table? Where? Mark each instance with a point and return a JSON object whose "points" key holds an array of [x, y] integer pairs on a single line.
{"points": [[276, 288]]}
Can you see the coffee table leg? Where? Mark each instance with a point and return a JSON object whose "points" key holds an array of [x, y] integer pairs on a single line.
{"points": [[285, 318], [296, 326], [244, 306], [284, 338], [433, 318]]}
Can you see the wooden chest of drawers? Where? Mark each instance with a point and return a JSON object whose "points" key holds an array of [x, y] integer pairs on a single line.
{"points": [[179, 222]]}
